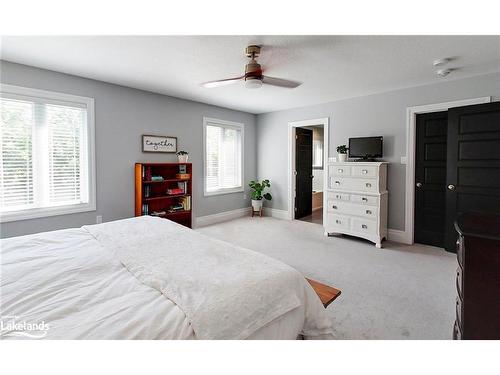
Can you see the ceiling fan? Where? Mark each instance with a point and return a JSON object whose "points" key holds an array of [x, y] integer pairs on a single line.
{"points": [[253, 77]]}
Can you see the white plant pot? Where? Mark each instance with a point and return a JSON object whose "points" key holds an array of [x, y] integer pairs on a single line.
{"points": [[342, 158], [256, 205], [183, 158]]}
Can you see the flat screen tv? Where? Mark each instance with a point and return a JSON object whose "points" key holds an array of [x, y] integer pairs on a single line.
{"points": [[366, 148]]}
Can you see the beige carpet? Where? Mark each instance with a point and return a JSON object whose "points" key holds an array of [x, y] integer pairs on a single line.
{"points": [[398, 292]]}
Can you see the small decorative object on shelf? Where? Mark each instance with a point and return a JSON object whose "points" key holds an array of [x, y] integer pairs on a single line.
{"points": [[183, 156], [160, 192], [342, 151], [257, 196]]}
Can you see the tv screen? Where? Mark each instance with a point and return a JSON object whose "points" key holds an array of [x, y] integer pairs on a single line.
{"points": [[365, 147]]}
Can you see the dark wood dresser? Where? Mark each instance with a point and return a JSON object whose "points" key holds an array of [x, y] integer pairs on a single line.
{"points": [[478, 277]]}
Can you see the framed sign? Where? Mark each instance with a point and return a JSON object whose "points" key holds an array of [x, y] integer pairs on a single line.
{"points": [[158, 143]]}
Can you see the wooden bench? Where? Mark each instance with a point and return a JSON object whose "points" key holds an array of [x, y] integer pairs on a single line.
{"points": [[326, 294]]}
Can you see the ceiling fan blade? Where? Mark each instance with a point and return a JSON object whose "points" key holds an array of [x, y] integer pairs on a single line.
{"points": [[280, 82], [221, 82]]}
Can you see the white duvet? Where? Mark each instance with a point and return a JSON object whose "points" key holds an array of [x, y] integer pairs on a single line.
{"points": [[80, 286]]}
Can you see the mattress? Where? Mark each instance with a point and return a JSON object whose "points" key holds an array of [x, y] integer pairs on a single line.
{"points": [[78, 290]]}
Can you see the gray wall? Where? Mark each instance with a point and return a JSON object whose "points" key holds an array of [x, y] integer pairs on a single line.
{"points": [[381, 114], [122, 115]]}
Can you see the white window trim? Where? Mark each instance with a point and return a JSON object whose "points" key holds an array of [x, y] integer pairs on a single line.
{"points": [[229, 124], [35, 213]]}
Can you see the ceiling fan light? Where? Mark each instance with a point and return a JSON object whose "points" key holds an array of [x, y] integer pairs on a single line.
{"points": [[253, 83]]}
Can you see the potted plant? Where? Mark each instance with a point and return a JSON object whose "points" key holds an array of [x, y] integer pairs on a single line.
{"points": [[342, 151], [183, 156], [257, 196]]}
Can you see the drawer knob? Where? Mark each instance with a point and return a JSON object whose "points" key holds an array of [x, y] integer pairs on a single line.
{"points": [[338, 221], [337, 196], [368, 184], [368, 212], [334, 207], [364, 171], [340, 170], [337, 182], [364, 226], [364, 199]]}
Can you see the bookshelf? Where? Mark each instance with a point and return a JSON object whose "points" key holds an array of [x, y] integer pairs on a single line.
{"points": [[161, 191]]}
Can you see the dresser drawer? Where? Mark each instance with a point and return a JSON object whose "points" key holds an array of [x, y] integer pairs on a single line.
{"points": [[460, 250], [459, 282], [338, 196], [339, 170], [337, 221], [364, 226], [355, 184], [364, 199], [353, 209], [364, 171], [457, 333], [458, 304]]}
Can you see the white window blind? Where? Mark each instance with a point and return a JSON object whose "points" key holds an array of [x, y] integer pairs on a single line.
{"points": [[223, 156], [44, 158]]}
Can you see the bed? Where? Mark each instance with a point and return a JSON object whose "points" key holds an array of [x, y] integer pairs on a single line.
{"points": [[150, 278]]}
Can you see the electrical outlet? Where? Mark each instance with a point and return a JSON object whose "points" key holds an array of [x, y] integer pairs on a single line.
{"points": [[244, 196], [98, 219]]}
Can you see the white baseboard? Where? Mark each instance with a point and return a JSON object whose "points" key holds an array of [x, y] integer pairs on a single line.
{"points": [[202, 221], [278, 214], [397, 236]]}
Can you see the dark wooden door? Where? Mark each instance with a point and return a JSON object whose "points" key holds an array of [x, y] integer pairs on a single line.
{"points": [[430, 178], [473, 173], [303, 168]]}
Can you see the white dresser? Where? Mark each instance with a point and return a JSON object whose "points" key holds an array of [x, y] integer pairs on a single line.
{"points": [[356, 200]]}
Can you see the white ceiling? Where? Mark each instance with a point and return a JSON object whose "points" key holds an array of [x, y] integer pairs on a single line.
{"points": [[330, 67]]}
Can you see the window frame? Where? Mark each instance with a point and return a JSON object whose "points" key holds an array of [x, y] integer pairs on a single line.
{"points": [[41, 212], [228, 125]]}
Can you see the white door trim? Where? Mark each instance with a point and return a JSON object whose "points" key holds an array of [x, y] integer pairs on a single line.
{"points": [[291, 158], [411, 116]]}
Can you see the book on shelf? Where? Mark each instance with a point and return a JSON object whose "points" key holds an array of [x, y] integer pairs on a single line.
{"points": [[176, 191], [183, 186], [145, 209], [146, 173], [183, 176], [176, 207], [186, 203]]}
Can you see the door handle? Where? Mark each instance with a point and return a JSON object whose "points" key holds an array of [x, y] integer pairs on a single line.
{"points": [[419, 184], [451, 187]]}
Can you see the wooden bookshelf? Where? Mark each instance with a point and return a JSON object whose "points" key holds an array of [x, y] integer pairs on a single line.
{"points": [[152, 196]]}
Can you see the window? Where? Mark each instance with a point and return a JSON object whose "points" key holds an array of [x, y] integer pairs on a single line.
{"points": [[223, 156], [46, 156], [317, 154]]}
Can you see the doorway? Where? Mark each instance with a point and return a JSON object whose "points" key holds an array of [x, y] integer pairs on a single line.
{"points": [[309, 167], [430, 177], [308, 154], [457, 169]]}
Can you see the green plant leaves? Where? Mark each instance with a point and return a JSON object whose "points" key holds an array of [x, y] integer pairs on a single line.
{"points": [[258, 188]]}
